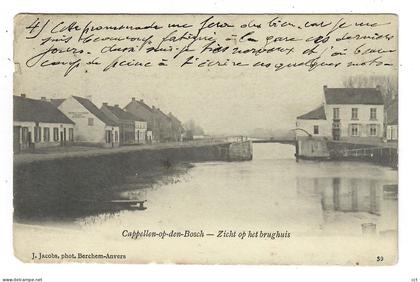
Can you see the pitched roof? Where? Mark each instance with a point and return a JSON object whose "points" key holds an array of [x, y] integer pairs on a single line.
{"points": [[353, 96], [25, 109], [94, 110], [121, 114], [140, 103], [162, 114], [174, 118], [57, 102], [392, 113], [318, 113]]}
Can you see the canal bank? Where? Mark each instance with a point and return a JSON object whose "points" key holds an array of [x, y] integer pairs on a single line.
{"points": [[312, 148], [69, 183]]}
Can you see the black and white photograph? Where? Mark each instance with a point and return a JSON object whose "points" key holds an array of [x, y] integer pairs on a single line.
{"points": [[206, 139]]}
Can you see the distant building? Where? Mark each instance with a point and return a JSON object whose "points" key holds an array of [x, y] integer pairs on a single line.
{"points": [[37, 123], [92, 126], [132, 129], [165, 126], [391, 121], [142, 111], [346, 114], [176, 128]]}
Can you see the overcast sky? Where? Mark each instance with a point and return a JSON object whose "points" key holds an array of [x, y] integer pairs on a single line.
{"points": [[222, 102]]}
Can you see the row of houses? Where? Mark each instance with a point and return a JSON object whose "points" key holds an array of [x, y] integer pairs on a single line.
{"points": [[351, 114], [77, 120]]}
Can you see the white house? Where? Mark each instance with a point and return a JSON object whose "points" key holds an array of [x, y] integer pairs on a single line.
{"points": [[346, 114], [37, 124], [92, 126]]}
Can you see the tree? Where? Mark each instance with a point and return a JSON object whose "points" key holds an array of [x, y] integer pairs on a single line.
{"points": [[192, 129], [388, 85]]}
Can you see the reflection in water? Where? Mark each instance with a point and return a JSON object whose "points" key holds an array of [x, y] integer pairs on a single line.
{"points": [[354, 196]]}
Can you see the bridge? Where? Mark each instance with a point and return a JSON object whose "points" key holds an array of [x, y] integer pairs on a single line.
{"points": [[274, 140]]}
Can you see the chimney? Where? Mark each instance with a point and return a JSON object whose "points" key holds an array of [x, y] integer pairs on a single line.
{"points": [[89, 97], [141, 100], [23, 95], [325, 87], [133, 99], [43, 99], [116, 106], [105, 104]]}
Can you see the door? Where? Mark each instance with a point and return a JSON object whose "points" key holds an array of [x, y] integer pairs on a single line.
{"points": [[108, 136], [61, 138], [65, 135], [29, 140]]}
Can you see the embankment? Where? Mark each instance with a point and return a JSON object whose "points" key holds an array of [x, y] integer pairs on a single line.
{"points": [[72, 185], [323, 149]]}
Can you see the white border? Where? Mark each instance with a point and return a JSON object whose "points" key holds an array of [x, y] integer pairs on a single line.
{"points": [[408, 266]]}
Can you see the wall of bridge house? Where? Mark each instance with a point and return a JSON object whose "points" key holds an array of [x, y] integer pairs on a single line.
{"points": [[363, 119], [325, 127]]}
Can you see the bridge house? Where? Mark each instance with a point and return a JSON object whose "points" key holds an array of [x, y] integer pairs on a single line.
{"points": [[348, 114], [37, 124]]}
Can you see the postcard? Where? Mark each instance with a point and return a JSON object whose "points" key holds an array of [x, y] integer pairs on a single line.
{"points": [[206, 138]]}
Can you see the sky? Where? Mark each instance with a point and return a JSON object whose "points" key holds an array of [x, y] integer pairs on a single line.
{"points": [[220, 100]]}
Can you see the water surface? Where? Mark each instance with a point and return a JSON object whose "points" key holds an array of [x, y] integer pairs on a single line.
{"points": [[271, 192]]}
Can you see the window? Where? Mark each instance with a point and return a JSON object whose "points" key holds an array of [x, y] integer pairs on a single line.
{"points": [[316, 129], [373, 130], [90, 121], [71, 134], [46, 134], [373, 113], [354, 113], [354, 130], [116, 136], [336, 113], [55, 133], [37, 132]]}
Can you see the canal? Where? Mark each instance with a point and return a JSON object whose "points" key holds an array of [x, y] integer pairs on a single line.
{"points": [[273, 192]]}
